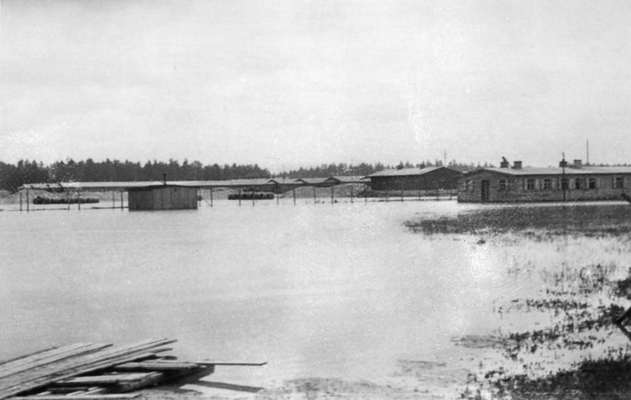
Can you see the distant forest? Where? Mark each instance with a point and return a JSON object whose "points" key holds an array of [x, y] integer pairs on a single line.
{"points": [[12, 176]]}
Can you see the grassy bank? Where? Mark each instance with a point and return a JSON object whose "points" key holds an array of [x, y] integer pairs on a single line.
{"points": [[579, 219]]}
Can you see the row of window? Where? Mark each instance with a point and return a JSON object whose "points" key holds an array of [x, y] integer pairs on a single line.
{"points": [[548, 183]]}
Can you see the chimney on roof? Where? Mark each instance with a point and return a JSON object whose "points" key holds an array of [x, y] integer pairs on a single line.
{"points": [[516, 164], [504, 163], [578, 163]]}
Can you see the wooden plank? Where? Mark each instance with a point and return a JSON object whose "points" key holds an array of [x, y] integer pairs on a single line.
{"points": [[77, 369], [240, 364], [157, 365], [34, 357], [43, 375], [43, 357], [110, 379], [152, 379], [39, 381], [117, 396], [21, 357], [51, 357], [94, 390]]}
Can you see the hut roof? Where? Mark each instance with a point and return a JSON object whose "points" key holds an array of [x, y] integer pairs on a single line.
{"points": [[311, 181], [341, 179], [405, 171], [586, 170]]}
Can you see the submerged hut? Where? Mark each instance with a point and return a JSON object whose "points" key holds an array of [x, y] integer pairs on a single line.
{"points": [[162, 197]]}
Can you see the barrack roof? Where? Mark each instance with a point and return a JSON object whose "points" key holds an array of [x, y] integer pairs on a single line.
{"points": [[585, 170], [405, 171]]}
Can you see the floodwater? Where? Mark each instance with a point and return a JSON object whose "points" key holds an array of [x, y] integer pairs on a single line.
{"points": [[341, 291]]}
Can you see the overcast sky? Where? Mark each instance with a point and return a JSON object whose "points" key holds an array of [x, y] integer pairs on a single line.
{"points": [[290, 82]]}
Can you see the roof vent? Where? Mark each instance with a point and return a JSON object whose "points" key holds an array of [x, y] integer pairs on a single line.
{"points": [[516, 164], [504, 163]]}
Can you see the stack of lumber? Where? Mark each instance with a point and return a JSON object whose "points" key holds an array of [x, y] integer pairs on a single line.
{"points": [[88, 371]]}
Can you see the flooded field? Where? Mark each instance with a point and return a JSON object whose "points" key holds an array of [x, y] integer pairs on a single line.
{"points": [[379, 300]]}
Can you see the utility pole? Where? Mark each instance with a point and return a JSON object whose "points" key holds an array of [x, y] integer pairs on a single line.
{"points": [[563, 178]]}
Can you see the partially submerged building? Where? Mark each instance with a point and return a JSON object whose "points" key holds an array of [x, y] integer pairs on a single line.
{"points": [[162, 197], [415, 179], [567, 182]]}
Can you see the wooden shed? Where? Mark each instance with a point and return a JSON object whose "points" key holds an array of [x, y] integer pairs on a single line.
{"points": [[162, 197], [415, 179]]}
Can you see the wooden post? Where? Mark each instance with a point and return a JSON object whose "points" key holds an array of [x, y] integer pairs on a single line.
{"points": [[113, 199], [332, 194], [122, 205], [365, 194], [277, 198], [351, 194], [20, 197], [68, 198], [293, 192], [314, 195], [28, 202], [78, 200], [211, 196], [401, 194], [240, 197], [419, 195]]}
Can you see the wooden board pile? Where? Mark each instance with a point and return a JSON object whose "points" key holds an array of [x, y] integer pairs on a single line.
{"points": [[87, 371]]}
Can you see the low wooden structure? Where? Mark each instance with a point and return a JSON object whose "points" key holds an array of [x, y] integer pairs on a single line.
{"points": [[567, 182], [414, 180], [162, 197], [88, 371]]}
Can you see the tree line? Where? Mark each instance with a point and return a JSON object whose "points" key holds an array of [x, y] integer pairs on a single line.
{"points": [[12, 176]]}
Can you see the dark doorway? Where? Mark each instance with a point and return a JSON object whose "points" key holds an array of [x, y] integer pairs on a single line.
{"points": [[485, 190]]}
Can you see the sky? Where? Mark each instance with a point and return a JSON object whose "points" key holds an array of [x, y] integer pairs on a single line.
{"points": [[286, 83]]}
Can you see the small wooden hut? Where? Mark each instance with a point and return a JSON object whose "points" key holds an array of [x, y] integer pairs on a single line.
{"points": [[162, 197]]}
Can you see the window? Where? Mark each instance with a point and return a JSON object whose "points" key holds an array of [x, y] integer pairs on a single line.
{"points": [[469, 186], [579, 183], [565, 184], [502, 184], [547, 184], [530, 184], [592, 183], [618, 182]]}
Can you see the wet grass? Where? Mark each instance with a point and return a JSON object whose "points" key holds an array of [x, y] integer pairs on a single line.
{"points": [[587, 220], [575, 351], [592, 379]]}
